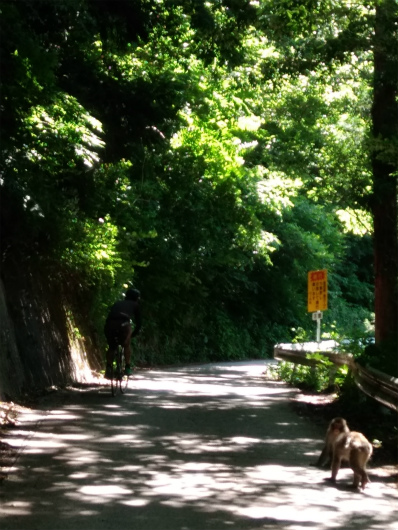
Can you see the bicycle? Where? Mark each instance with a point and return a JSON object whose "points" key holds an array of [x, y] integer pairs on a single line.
{"points": [[118, 378]]}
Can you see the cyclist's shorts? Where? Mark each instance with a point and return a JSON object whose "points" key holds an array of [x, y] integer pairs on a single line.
{"points": [[117, 332]]}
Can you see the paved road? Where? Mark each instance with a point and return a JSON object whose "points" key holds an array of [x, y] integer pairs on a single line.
{"points": [[203, 447]]}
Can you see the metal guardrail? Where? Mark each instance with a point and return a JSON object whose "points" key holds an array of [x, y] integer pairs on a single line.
{"points": [[379, 386]]}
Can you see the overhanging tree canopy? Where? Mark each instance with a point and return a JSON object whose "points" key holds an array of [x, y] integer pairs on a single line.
{"points": [[213, 152]]}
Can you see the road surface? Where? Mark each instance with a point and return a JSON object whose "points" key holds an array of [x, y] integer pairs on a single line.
{"points": [[210, 447]]}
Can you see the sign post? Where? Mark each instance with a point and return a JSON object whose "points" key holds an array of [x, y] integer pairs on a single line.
{"points": [[318, 315], [317, 297]]}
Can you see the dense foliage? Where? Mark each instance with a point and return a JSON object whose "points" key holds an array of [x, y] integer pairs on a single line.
{"points": [[209, 153]]}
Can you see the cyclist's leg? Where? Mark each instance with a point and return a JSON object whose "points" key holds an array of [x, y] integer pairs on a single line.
{"points": [[110, 354], [126, 342], [127, 345], [111, 333]]}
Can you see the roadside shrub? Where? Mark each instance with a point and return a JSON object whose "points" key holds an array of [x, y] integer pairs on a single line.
{"points": [[317, 378]]}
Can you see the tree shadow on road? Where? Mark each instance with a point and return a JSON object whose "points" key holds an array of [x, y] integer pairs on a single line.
{"points": [[183, 450]]}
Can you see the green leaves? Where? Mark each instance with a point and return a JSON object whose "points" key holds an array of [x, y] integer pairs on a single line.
{"points": [[206, 152]]}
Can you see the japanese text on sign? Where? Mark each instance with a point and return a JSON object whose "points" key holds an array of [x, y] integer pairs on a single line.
{"points": [[317, 290]]}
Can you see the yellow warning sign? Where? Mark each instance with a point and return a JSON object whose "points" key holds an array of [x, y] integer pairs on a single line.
{"points": [[317, 290]]}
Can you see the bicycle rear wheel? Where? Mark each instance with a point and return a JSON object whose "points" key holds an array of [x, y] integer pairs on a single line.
{"points": [[113, 380], [119, 381], [123, 378]]}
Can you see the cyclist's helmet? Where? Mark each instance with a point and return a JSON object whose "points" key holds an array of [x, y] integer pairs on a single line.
{"points": [[133, 294]]}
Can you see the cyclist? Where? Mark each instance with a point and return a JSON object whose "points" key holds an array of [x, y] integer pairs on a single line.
{"points": [[118, 329]]}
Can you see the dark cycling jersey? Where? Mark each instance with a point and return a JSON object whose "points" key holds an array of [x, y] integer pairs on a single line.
{"points": [[123, 311]]}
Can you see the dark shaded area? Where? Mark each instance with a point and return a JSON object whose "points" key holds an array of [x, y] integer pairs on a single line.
{"points": [[36, 333]]}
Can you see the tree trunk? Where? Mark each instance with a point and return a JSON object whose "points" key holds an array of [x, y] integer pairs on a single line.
{"points": [[385, 168]]}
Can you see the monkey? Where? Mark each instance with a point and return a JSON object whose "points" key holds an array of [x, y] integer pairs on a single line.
{"points": [[354, 447], [336, 427]]}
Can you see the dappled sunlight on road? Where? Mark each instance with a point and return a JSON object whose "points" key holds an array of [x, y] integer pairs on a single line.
{"points": [[211, 386], [104, 491], [195, 448]]}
